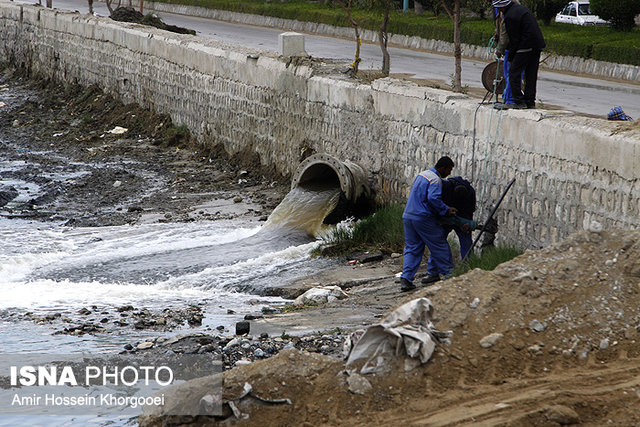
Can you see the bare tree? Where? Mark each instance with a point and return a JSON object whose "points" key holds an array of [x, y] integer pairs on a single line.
{"points": [[49, 4], [347, 8], [109, 4], [457, 51], [90, 7], [383, 37], [446, 9]]}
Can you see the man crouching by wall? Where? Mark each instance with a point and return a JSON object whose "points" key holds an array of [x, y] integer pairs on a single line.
{"points": [[421, 226]]}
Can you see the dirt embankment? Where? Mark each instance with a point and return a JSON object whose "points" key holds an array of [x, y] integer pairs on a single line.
{"points": [[549, 338], [568, 319]]}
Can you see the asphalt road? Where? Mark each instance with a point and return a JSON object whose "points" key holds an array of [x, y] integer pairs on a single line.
{"points": [[581, 94]]}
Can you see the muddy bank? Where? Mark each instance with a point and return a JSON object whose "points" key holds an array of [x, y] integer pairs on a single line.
{"points": [[120, 164]]}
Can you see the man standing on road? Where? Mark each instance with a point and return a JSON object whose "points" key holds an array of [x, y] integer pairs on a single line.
{"points": [[501, 50], [421, 226], [525, 44]]}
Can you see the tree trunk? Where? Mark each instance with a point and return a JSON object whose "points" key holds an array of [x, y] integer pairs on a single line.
{"points": [[141, 3], [347, 8], [356, 61], [457, 52], [383, 36], [90, 7], [49, 4]]}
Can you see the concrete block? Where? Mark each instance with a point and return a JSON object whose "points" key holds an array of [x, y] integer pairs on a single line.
{"points": [[291, 44]]}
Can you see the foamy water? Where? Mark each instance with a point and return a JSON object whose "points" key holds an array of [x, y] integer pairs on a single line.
{"points": [[50, 268], [47, 268]]}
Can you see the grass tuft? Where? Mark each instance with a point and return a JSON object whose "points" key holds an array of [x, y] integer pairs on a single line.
{"points": [[292, 308], [488, 260], [383, 230]]}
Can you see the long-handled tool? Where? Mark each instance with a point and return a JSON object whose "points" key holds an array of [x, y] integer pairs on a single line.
{"points": [[495, 208]]}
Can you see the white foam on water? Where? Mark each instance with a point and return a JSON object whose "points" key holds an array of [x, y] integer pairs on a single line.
{"points": [[49, 294], [48, 267], [35, 246], [30, 246], [243, 271]]}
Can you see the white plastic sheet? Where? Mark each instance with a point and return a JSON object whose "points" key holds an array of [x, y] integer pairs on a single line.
{"points": [[405, 332]]}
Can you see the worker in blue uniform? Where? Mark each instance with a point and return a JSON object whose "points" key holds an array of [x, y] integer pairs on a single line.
{"points": [[421, 226]]}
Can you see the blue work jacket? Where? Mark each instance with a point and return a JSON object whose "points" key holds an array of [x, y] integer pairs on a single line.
{"points": [[425, 198]]}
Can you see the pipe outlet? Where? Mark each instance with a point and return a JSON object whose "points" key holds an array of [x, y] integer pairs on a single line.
{"points": [[351, 177]]}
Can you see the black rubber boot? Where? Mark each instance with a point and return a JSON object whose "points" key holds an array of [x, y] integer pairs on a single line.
{"points": [[430, 279], [405, 285]]}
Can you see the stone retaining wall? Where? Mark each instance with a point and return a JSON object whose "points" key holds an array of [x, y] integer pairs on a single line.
{"points": [[569, 170]]}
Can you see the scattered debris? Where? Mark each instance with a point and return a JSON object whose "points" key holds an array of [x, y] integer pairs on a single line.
{"points": [[364, 257], [129, 14], [242, 328], [145, 345], [7, 194], [616, 113], [248, 392], [118, 130], [537, 326], [562, 415]]}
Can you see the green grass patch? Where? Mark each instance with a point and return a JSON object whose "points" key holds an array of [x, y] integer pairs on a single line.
{"points": [[177, 136], [488, 260], [89, 92], [292, 308], [599, 43], [383, 230]]}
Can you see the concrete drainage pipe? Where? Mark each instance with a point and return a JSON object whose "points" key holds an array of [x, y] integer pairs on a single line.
{"points": [[356, 196]]}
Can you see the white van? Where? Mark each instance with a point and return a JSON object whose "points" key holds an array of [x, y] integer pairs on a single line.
{"points": [[579, 13]]}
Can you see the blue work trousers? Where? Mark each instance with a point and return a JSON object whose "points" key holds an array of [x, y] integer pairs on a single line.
{"points": [[507, 98], [417, 234], [465, 239]]}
